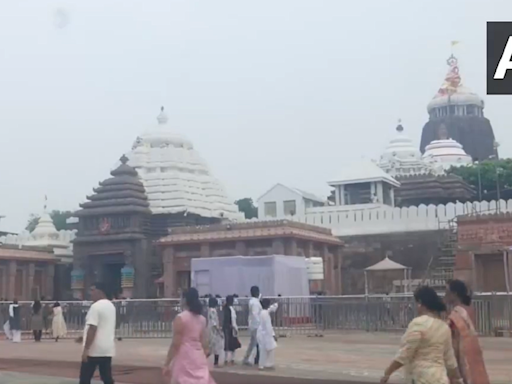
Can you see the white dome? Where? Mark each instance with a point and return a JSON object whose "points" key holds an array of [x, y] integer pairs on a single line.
{"points": [[452, 92], [402, 157], [446, 153], [46, 235], [175, 176]]}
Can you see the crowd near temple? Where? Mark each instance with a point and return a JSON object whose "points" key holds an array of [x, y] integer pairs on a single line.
{"points": [[388, 226]]}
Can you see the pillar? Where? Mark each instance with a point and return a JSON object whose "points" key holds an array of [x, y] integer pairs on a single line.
{"points": [[338, 255], [205, 250], [380, 192], [278, 247], [11, 280], [328, 269], [169, 273], [241, 248], [292, 247], [392, 196], [342, 195], [50, 274], [308, 249], [31, 273], [337, 199], [78, 283], [127, 281]]}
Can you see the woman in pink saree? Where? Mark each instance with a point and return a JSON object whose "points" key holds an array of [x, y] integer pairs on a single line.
{"points": [[187, 361], [464, 336]]}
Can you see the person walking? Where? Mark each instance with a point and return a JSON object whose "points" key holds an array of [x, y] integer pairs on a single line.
{"points": [[215, 335], [99, 336], [186, 361], [15, 321], [465, 342], [266, 338], [37, 321], [59, 328], [230, 330], [426, 350], [254, 322]]}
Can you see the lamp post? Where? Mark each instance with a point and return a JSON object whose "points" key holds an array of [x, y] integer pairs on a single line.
{"points": [[479, 175]]}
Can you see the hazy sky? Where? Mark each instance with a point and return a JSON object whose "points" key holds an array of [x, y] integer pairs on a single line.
{"points": [[268, 91]]}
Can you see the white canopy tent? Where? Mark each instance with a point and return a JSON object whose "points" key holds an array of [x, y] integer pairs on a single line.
{"points": [[388, 265]]}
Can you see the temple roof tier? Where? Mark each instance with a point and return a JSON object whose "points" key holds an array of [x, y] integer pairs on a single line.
{"points": [[446, 153], [117, 200], [175, 176]]}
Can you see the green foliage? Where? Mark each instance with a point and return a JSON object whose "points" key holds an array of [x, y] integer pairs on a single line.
{"points": [[246, 205], [59, 220], [491, 171]]}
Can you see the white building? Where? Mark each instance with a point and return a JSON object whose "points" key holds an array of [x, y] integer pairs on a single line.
{"points": [[176, 177], [364, 183], [281, 201]]}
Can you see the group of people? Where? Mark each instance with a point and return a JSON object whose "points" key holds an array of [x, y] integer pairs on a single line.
{"points": [[434, 351], [38, 323], [196, 338]]}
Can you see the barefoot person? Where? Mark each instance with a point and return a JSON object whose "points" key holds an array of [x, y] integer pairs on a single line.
{"points": [[464, 336], [254, 322], [37, 320], [215, 335], [266, 337], [426, 350], [15, 321], [230, 329], [59, 328], [186, 361], [99, 337]]}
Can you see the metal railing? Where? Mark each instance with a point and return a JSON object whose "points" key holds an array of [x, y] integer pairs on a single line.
{"points": [[312, 316]]}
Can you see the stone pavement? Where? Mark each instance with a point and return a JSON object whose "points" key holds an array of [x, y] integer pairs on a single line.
{"points": [[342, 358], [23, 378]]}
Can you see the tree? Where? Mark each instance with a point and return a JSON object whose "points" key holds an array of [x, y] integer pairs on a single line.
{"points": [[492, 173], [246, 205], [59, 220]]}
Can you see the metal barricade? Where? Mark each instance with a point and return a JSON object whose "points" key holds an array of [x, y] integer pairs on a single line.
{"points": [[311, 316]]}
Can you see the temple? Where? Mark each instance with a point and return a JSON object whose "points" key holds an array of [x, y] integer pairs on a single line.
{"points": [[458, 110], [179, 185], [423, 179], [161, 184], [162, 207]]}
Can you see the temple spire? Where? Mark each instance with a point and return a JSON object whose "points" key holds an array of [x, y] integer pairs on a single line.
{"points": [[162, 117], [399, 127]]}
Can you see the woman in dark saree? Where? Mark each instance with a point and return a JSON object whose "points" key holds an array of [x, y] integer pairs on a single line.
{"points": [[230, 330]]}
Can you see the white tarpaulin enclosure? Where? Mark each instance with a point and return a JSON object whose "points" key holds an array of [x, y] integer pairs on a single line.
{"points": [[275, 275]]}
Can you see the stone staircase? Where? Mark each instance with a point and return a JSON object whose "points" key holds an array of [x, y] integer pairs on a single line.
{"points": [[442, 265]]}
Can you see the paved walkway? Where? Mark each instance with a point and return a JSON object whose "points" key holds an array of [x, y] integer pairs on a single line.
{"points": [[346, 358]]}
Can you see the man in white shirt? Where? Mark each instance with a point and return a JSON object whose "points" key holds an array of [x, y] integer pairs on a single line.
{"points": [[254, 323], [99, 337]]}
